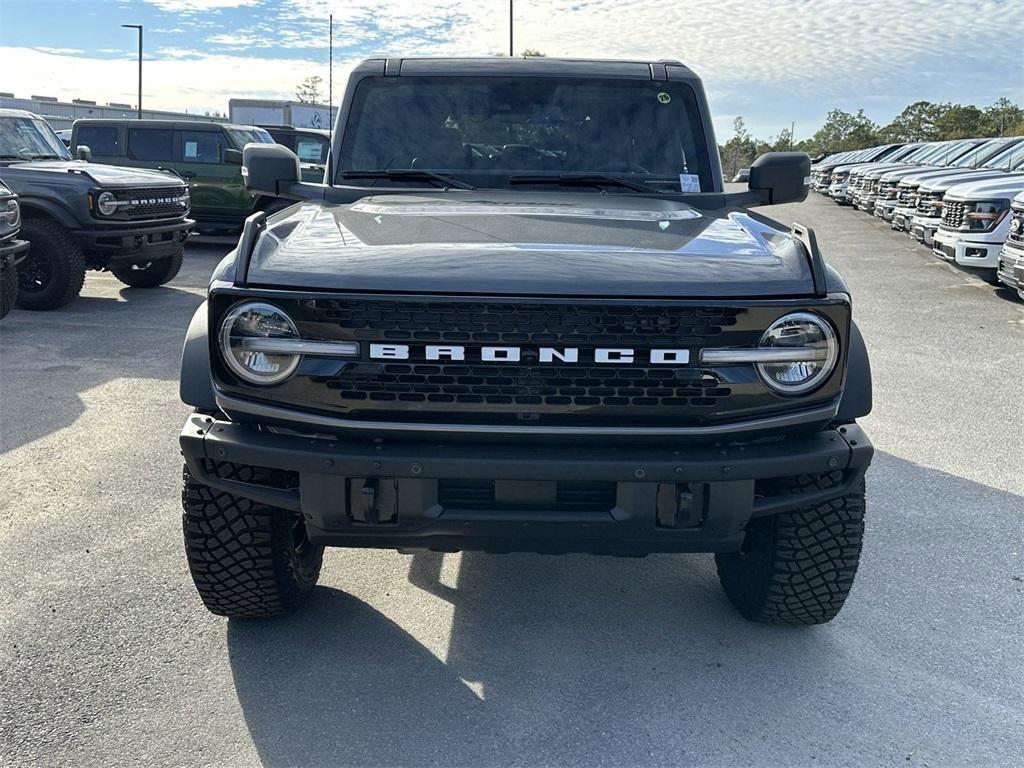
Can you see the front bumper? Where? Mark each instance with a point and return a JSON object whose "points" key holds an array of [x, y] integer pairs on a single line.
{"points": [[12, 251], [838, 192], [1011, 267], [131, 244], [923, 229], [901, 216], [883, 208], [976, 254], [406, 495]]}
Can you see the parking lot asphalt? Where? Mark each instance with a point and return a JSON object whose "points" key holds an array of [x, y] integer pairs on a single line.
{"points": [[108, 658]]}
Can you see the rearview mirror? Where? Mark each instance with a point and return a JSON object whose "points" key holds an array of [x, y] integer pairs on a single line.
{"points": [[83, 153], [269, 169], [781, 177], [231, 156]]}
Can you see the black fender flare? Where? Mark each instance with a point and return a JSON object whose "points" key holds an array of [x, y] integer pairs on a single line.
{"points": [[856, 399], [36, 206], [196, 385]]}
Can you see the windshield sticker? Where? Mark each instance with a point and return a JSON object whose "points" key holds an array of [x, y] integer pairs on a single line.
{"points": [[664, 98], [689, 182]]}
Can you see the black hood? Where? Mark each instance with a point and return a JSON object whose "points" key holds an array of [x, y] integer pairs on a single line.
{"points": [[101, 175], [526, 243]]}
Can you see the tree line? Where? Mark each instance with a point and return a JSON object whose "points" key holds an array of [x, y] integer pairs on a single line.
{"points": [[920, 121]]}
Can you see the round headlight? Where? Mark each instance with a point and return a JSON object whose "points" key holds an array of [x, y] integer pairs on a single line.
{"points": [[243, 344], [10, 215], [106, 203], [815, 347]]}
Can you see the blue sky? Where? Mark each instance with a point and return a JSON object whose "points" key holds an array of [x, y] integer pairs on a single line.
{"points": [[771, 62]]}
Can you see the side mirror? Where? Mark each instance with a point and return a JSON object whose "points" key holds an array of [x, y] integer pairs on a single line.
{"points": [[781, 177], [83, 153], [269, 169], [231, 156]]}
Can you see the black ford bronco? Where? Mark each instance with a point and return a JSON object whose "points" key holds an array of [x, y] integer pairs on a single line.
{"points": [[523, 315], [78, 215]]}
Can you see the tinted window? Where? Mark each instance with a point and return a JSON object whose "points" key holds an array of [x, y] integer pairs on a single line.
{"points": [[150, 144], [101, 139], [311, 149], [243, 136], [201, 146], [481, 128]]}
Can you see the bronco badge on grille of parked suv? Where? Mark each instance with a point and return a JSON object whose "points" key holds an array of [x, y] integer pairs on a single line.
{"points": [[527, 318]]}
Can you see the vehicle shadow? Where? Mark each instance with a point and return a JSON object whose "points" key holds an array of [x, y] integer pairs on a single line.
{"points": [[577, 659], [109, 334]]}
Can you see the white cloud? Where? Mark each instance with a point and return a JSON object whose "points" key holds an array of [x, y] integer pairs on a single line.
{"points": [[191, 6], [233, 40], [59, 51], [176, 79]]}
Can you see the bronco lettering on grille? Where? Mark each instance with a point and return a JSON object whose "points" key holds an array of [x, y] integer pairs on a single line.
{"points": [[599, 355]]}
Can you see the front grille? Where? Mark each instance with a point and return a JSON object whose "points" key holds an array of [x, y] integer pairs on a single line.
{"points": [[1016, 233], [528, 383], [906, 195], [153, 202], [954, 214], [926, 204], [528, 392], [567, 497]]}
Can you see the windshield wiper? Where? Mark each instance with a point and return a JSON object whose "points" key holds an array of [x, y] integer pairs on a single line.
{"points": [[407, 174], [46, 157], [583, 180]]}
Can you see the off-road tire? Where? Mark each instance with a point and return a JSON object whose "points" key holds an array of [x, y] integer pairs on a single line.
{"points": [[157, 272], [247, 559], [797, 567], [53, 271], [8, 288]]}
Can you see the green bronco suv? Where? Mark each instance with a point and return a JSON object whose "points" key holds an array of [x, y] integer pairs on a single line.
{"points": [[207, 155]]}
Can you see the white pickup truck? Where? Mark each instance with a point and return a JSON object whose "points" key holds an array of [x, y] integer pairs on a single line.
{"points": [[909, 189], [975, 222], [931, 193]]}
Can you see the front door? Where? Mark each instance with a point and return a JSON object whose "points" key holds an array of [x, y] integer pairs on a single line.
{"points": [[218, 197]]}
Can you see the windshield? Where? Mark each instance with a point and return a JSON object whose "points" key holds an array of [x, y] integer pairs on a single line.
{"points": [[1007, 159], [905, 152], [243, 136], [484, 130], [29, 137], [955, 150], [983, 152]]}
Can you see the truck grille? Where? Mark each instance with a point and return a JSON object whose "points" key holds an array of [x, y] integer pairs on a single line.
{"points": [[954, 214], [564, 386], [568, 496], [526, 391], [1016, 233], [926, 204], [906, 195], [153, 203]]}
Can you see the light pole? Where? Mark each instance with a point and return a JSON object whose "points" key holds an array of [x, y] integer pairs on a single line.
{"points": [[511, 50], [138, 27]]}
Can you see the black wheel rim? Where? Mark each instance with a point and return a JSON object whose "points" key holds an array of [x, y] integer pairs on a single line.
{"points": [[34, 273]]}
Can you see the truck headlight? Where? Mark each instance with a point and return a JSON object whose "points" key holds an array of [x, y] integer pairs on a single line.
{"points": [[249, 334], [106, 203], [809, 337], [983, 216], [10, 215]]}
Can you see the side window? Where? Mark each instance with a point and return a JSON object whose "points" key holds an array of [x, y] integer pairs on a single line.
{"points": [[311, 150], [150, 144], [201, 146], [101, 139]]}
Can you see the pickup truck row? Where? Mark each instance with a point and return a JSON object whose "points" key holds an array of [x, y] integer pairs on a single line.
{"points": [[961, 198]]}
